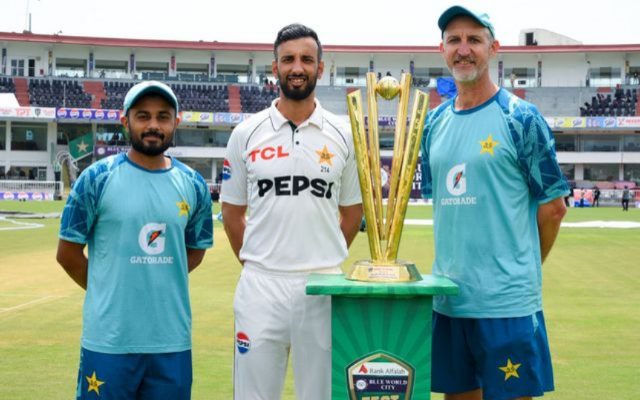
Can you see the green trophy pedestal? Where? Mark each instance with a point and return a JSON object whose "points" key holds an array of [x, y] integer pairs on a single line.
{"points": [[381, 336]]}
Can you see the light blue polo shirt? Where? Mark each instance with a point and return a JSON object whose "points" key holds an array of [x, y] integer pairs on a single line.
{"points": [[487, 170]]}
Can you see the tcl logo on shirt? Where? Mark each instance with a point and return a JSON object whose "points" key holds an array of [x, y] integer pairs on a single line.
{"points": [[268, 153]]}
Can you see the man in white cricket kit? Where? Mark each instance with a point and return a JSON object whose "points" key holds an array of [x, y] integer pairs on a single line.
{"points": [[293, 166]]}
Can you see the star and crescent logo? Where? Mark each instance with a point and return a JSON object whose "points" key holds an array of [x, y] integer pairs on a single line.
{"points": [[510, 370], [325, 156], [488, 145], [94, 383]]}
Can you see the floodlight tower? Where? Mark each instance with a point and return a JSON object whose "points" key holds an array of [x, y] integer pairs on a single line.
{"points": [[28, 16]]}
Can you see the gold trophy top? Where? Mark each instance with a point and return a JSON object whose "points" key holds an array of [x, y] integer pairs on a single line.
{"points": [[384, 233], [388, 87]]}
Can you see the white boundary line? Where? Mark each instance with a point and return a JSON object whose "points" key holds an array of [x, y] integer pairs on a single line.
{"points": [[20, 225], [602, 224], [30, 303], [583, 224]]}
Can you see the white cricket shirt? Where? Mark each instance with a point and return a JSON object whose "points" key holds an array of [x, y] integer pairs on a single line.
{"points": [[292, 179]]}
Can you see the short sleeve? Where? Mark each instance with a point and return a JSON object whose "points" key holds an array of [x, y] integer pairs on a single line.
{"points": [[79, 212], [234, 172], [426, 181], [199, 230], [537, 157]]}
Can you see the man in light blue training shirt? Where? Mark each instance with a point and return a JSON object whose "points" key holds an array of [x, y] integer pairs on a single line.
{"points": [[490, 166], [146, 219]]}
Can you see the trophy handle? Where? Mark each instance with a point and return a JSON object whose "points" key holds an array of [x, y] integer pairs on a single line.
{"points": [[398, 148], [374, 152], [354, 106], [407, 172]]}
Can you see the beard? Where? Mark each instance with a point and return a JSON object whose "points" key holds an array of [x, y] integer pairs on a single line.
{"points": [[297, 93], [466, 76], [150, 149]]}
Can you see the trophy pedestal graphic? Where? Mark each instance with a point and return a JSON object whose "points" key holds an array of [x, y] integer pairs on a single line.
{"points": [[380, 335], [381, 310]]}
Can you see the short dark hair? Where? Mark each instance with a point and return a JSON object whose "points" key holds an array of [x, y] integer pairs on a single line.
{"points": [[296, 31]]}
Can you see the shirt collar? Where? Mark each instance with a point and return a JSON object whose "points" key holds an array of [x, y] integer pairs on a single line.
{"points": [[277, 119]]}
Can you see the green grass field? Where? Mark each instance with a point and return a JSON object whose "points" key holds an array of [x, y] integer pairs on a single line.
{"points": [[591, 294]]}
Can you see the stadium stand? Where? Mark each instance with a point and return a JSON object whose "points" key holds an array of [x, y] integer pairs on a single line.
{"points": [[58, 93], [202, 97], [115, 92], [248, 98], [255, 98], [585, 101], [7, 85], [53, 92], [206, 97], [623, 103], [192, 97]]}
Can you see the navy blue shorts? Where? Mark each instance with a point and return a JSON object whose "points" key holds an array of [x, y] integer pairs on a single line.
{"points": [[155, 376], [505, 357]]}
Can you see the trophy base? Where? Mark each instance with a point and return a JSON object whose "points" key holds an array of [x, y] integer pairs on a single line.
{"points": [[370, 271]]}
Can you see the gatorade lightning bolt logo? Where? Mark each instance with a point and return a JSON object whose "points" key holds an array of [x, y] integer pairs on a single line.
{"points": [[242, 342], [152, 238], [457, 179], [154, 235]]}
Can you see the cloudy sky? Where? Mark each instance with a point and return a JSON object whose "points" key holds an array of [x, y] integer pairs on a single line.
{"points": [[370, 22]]}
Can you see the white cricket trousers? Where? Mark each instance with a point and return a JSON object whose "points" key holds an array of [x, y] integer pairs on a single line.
{"points": [[274, 316]]}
